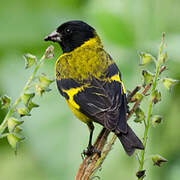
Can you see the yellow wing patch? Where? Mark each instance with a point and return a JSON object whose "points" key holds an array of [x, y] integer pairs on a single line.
{"points": [[116, 77], [71, 92], [74, 106]]}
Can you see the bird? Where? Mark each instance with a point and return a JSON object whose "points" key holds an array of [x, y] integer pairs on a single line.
{"points": [[91, 83]]}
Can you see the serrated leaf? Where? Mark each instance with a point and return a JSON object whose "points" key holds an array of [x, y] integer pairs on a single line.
{"points": [[140, 116], [158, 160], [14, 140], [156, 96], [5, 101], [156, 119], [13, 123], [30, 60], [26, 98], [145, 58], [148, 77], [23, 112], [169, 83]]}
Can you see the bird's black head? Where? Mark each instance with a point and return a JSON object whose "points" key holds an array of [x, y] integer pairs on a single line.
{"points": [[71, 35]]}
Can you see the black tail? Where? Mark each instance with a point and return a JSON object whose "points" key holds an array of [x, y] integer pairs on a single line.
{"points": [[130, 141]]}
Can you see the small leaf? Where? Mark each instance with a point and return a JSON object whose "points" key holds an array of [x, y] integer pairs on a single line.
{"points": [[148, 77], [163, 57], [17, 130], [145, 58], [30, 60], [140, 116], [169, 83], [49, 52], [45, 81], [6, 101], [158, 160], [23, 112], [32, 105], [13, 123], [137, 97], [26, 98], [156, 96], [14, 140], [40, 89], [156, 119]]}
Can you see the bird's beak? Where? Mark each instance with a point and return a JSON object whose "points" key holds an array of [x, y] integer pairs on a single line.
{"points": [[54, 36]]}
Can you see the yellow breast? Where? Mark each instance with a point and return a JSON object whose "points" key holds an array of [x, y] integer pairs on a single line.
{"points": [[86, 60]]}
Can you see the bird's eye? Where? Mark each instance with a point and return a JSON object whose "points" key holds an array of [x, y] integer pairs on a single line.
{"points": [[67, 30]]}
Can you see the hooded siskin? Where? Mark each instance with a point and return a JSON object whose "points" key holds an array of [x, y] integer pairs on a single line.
{"points": [[90, 81]]}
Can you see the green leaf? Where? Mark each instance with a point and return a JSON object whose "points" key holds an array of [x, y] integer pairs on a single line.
{"points": [[14, 140], [13, 123], [156, 119], [156, 96], [17, 130], [40, 89], [43, 85], [137, 97], [45, 81], [32, 105], [5, 101], [23, 112], [158, 160], [169, 83], [148, 77], [140, 116], [30, 60], [26, 98], [145, 58]]}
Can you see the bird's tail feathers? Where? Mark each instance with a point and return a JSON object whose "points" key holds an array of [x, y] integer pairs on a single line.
{"points": [[130, 141]]}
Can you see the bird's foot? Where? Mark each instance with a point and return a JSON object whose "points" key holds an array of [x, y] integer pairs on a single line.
{"points": [[90, 151]]}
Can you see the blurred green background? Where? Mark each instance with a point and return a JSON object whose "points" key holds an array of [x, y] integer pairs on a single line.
{"points": [[54, 137]]}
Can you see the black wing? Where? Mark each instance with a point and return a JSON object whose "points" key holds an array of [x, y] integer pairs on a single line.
{"points": [[104, 101]]}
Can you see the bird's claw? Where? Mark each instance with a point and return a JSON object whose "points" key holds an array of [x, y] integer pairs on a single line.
{"points": [[90, 151]]}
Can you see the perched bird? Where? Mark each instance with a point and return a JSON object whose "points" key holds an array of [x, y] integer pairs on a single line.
{"points": [[90, 81]]}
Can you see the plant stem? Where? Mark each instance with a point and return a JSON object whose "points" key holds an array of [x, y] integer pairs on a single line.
{"points": [[147, 122], [18, 100]]}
